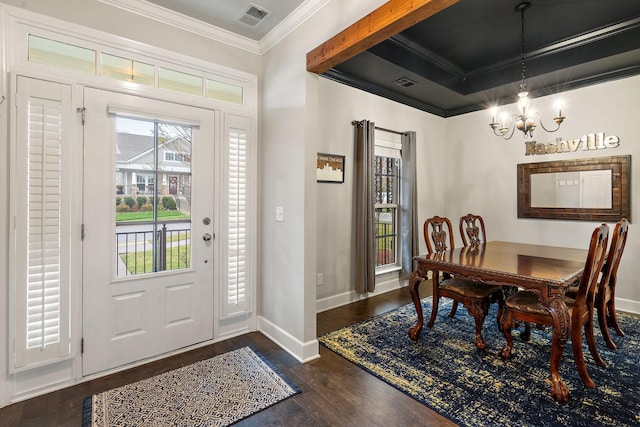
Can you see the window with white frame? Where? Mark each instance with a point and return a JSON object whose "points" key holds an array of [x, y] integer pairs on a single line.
{"points": [[387, 199]]}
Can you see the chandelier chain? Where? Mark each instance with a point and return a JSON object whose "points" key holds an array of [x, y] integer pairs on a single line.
{"points": [[524, 120], [522, 62]]}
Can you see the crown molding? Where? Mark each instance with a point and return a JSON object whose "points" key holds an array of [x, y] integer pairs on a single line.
{"points": [[296, 18], [166, 16], [186, 23]]}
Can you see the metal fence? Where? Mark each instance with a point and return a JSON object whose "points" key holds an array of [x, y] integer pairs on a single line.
{"points": [[386, 236], [138, 252]]}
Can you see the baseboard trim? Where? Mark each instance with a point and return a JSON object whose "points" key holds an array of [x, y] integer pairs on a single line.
{"points": [[303, 351], [628, 305], [339, 300]]}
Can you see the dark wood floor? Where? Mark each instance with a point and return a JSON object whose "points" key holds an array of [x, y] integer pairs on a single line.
{"points": [[335, 392]]}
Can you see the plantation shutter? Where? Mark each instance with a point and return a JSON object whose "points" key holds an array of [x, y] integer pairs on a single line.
{"points": [[42, 272], [236, 291]]}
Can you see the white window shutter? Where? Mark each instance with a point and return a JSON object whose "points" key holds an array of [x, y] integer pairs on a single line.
{"points": [[41, 186], [237, 286]]}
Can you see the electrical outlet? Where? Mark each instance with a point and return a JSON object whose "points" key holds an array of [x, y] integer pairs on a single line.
{"points": [[279, 214], [319, 279]]}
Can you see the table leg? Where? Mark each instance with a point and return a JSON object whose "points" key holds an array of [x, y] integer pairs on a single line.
{"points": [[414, 282], [561, 328]]}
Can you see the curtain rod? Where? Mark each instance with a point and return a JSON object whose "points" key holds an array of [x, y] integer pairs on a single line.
{"points": [[391, 131], [355, 123]]}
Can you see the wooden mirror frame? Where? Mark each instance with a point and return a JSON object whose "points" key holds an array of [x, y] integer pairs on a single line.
{"points": [[620, 192]]}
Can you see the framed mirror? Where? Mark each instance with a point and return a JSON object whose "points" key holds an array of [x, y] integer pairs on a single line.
{"points": [[595, 189]]}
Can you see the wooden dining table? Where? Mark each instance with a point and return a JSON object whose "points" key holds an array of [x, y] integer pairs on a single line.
{"points": [[547, 270]]}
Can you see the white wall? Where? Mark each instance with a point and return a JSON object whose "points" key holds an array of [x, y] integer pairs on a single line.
{"points": [[482, 176], [288, 146], [338, 106]]}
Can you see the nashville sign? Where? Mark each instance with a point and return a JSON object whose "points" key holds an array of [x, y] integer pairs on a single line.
{"points": [[592, 141]]}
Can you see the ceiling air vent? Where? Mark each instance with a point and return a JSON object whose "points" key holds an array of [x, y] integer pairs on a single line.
{"points": [[404, 82], [253, 15]]}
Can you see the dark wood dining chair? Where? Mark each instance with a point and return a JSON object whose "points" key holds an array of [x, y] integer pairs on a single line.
{"points": [[605, 295], [473, 233], [472, 230], [605, 298], [475, 296], [526, 306]]}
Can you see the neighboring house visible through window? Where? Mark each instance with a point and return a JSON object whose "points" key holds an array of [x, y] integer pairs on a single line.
{"points": [[135, 157], [387, 199]]}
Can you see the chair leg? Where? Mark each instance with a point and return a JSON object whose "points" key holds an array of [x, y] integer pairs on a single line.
{"points": [[604, 327], [591, 342], [505, 327], [526, 335], [434, 311], [578, 356], [454, 308], [612, 317], [478, 310], [435, 282]]}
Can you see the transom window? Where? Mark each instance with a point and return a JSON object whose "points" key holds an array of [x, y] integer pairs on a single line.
{"points": [[47, 51]]}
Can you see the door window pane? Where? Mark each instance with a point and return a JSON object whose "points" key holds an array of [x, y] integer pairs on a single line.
{"points": [[153, 222]]}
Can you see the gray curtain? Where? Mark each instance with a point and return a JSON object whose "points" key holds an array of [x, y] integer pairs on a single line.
{"points": [[363, 266], [408, 205]]}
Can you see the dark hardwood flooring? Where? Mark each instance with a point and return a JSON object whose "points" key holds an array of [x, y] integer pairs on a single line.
{"points": [[335, 392]]}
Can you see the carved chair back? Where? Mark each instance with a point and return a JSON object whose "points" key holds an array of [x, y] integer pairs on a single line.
{"points": [[610, 268], [472, 230], [595, 259], [437, 234]]}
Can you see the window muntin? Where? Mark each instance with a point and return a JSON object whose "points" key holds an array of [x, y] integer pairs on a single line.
{"points": [[127, 69]]}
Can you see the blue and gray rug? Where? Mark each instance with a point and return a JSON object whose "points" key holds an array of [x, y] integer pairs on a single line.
{"points": [[471, 387], [214, 392]]}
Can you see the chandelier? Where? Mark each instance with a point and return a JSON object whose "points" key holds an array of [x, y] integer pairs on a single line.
{"points": [[524, 120]]}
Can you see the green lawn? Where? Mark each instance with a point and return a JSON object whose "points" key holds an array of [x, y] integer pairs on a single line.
{"points": [[141, 262], [148, 216]]}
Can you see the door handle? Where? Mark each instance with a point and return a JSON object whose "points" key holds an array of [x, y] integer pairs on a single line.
{"points": [[206, 237]]}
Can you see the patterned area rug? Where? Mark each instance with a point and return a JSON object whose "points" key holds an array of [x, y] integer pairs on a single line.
{"points": [[471, 387], [214, 392]]}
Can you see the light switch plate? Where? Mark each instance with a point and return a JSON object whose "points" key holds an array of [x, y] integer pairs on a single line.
{"points": [[279, 214]]}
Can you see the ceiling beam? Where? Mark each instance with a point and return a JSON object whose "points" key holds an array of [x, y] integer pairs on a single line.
{"points": [[389, 19]]}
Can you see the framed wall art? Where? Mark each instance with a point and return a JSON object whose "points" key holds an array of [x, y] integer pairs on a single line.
{"points": [[330, 168]]}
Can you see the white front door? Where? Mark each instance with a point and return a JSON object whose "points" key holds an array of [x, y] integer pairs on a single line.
{"points": [[148, 228]]}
